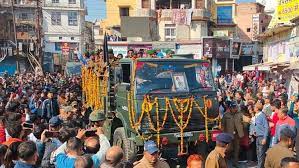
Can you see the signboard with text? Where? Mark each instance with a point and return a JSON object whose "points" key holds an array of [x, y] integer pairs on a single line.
{"points": [[287, 10], [236, 50], [65, 49], [216, 47]]}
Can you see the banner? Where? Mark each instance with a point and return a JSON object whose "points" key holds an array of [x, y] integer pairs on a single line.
{"points": [[236, 50], [255, 26], [216, 47]]}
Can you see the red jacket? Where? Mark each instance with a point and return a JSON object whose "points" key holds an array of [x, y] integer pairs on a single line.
{"points": [[274, 119], [2, 134]]}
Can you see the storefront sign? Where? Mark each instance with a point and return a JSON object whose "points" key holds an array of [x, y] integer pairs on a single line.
{"points": [[236, 50], [195, 49], [216, 48], [119, 50], [255, 26], [65, 49], [287, 10], [247, 49]]}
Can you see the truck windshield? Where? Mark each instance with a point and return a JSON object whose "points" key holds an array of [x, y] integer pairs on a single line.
{"points": [[159, 77]]}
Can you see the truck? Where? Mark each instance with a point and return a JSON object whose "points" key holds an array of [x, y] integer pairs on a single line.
{"points": [[170, 100]]}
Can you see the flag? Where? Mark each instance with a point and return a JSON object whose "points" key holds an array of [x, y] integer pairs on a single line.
{"points": [[105, 48]]}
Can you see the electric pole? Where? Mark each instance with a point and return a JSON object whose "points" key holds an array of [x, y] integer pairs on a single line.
{"points": [[39, 53], [15, 34]]}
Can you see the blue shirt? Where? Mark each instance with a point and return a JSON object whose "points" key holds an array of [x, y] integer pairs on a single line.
{"points": [[21, 164], [63, 161]]}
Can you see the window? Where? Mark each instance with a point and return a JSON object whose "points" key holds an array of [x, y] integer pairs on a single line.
{"points": [[224, 14], [72, 1], [60, 38], [170, 32], [55, 1], [248, 30], [263, 29], [101, 31], [23, 16], [123, 11], [126, 71], [72, 38], [73, 19], [145, 3], [262, 21], [56, 18]]}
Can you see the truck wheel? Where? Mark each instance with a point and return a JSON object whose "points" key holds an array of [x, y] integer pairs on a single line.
{"points": [[120, 139]]}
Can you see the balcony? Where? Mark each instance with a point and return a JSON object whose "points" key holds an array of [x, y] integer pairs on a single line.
{"points": [[198, 14], [145, 13], [25, 3], [30, 21], [224, 22], [66, 5]]}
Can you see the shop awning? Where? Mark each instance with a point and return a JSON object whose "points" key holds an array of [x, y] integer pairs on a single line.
{"points": [[268, 66], [293, 66], [260, 67]]}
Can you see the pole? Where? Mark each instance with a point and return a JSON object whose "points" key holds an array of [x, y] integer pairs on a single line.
{"points": [[15, 35], [38, 29]]}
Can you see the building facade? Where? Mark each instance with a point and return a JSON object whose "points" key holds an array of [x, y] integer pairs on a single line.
{"points": [[24, 39], [63, 27]]}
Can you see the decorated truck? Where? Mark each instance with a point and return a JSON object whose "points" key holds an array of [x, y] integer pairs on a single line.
{"points": [[172, 101]]}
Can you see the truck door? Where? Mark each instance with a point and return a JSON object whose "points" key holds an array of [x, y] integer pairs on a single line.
{"points": [[122, 91]]}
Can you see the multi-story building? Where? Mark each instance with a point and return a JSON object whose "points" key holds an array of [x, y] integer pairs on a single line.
{"points": [[63, 27], [251, 20], [223, 14], [25, 37]]}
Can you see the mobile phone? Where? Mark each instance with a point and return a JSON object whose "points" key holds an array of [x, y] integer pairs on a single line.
{"points": [[51, 134], [28, 125], [90, 133]]}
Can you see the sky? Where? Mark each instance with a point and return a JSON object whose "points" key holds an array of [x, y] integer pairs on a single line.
{"points": [[96, 9]]}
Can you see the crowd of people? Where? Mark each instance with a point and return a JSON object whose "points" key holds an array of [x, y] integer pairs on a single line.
{"points": [[44, 123], [260, 121]]}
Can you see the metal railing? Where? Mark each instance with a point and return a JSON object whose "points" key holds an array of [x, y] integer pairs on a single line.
{"points": [[196, 13]]}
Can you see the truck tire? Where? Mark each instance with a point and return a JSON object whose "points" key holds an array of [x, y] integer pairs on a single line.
{"points": [[120, 139]]}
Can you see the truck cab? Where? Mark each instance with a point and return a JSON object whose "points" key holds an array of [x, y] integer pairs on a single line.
{"points": [[172, 101]]}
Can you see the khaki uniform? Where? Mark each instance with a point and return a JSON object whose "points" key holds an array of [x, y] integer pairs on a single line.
{"points": [[215, 160], [276, 154], [143, 163]]}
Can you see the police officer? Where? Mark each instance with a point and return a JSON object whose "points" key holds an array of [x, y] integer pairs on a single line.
{"points": [[151, 157], [232, 123], [216, 158], [97, 118]]}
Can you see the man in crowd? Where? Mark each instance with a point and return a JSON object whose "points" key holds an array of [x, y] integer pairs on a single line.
{"points": [[284, 122], [97, 118], [217, 157], [289, 162], [151, 157], [84, 162], [50, 106], [195, 161], [113, 157], [280, 150], [232, 124], [27, 153]]}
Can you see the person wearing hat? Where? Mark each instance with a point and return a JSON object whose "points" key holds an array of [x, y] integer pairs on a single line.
{"points": [[151, 157], [232, 123], [55, 123], [216, 158], [97, 118], [280, 150], [50, 106]]}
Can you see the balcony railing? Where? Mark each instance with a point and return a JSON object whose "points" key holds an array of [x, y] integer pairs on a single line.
{"points": [[203, 13], [25, 21], [224, 21], [64, 5], [145, 13]]}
